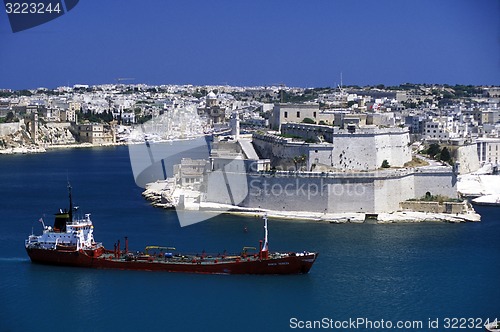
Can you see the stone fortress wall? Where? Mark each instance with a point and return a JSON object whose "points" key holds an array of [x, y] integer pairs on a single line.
{"points": [[351, 181], [360, 150], [342, 192]]}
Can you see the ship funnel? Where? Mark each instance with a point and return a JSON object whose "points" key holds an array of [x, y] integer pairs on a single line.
{"points": [[63, 217], [60, 221]]}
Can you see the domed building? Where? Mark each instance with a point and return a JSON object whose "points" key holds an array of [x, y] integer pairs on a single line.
{"points": [[211, 99], [213, 110]]}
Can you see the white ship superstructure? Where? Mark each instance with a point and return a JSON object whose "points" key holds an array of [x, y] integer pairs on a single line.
{"points": [[67, 232]]}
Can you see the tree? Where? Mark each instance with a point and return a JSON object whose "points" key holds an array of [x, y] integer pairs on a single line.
{"points": [[385, 164], [445, 155], [308, 120], [10, 117], [433, 149]]}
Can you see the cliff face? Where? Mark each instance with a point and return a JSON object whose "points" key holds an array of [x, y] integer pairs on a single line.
{"points": [[57, 133], [16, 138]]}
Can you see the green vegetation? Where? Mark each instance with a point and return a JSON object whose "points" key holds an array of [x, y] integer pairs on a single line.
{"points": [[444, 155], [436, 152], [433, 150], [200, 92], [428, 197], [308, 120], [9, 118], [97, 117], [4, 94], [385, 164], [143, 119]]}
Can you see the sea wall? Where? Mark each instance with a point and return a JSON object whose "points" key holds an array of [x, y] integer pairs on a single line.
{"points": [[435, 180], [341, 192]]}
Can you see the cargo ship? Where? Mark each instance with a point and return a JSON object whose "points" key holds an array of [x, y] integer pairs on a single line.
{"points": [[70, 242]]}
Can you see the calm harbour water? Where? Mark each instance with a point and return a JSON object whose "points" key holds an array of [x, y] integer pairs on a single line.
{"points": [[391, 272]]}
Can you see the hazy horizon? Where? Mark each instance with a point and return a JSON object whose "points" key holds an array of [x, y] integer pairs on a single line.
{"points": [[258, 43]]}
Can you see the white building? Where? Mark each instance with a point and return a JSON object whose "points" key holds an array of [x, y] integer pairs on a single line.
{"points": [[439, 128], [488, 150], [284, 113]]}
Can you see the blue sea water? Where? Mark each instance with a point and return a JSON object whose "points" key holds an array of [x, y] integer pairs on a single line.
{"points": [[391, 272]]}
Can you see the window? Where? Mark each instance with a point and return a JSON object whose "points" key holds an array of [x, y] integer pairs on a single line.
{"points": [[298, 114], [314, 114], [286, 115]]}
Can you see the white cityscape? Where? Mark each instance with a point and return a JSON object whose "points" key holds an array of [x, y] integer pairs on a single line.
{"points": [[414, 151]]}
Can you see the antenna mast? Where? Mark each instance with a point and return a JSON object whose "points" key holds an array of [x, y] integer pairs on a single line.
{"points": [[70, 203]]}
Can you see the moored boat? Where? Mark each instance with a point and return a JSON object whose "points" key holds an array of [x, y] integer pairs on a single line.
{"points": [[70, 242]]}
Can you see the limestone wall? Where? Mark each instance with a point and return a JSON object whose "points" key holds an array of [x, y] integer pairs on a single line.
{"points": [[9, 128], [362, 150], [468, 159], [435, 207], [319, 133], [391, 191], [441, 181], [370, 192], [281, 151], [366, 149], [58, 124]]}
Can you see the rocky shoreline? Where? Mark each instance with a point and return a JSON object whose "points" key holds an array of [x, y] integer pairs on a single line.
{"points": [[47, 147]]}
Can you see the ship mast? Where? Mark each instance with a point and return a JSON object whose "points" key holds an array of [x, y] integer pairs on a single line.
{"points": [[70, 203]]}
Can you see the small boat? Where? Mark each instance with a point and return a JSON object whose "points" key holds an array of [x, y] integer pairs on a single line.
{"points": [[70, 242]]}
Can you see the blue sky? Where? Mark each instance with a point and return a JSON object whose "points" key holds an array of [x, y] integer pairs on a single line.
{"points": [[299, 43]]}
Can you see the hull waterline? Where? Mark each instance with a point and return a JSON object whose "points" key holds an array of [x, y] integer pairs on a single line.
{"points": [[292, 264]]}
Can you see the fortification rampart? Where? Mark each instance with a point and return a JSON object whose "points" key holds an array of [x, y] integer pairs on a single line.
{"points": [[362, 150], [340, 192]]}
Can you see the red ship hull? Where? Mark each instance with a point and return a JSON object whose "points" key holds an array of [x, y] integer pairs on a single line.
{"points": [[289, 264]]}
